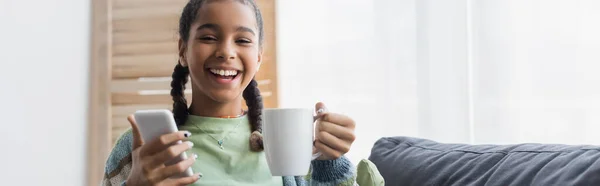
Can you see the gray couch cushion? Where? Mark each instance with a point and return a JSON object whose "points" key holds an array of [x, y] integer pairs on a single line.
{"points": [[414, 161]]}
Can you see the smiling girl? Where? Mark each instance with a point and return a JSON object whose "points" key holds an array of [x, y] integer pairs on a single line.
{"points": [[221, 50]]}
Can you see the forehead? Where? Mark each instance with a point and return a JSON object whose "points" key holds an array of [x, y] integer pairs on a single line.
{"points": [[227, 14]]}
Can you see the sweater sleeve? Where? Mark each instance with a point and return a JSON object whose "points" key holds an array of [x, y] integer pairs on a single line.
{"points": [[118, 164], [326, 173], [332, 172]]}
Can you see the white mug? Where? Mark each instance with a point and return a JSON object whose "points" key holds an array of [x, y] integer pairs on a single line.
{"points": [[288, 135]]}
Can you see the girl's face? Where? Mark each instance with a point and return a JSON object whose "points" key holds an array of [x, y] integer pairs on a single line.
{"points": [[223, 51]]}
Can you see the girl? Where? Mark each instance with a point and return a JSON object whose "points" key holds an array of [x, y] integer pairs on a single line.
{"points": [[220, 48]]}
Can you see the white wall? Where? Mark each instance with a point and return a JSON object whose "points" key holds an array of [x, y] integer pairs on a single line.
{"points": [[44, 56], [458, 71], [357, 57]]}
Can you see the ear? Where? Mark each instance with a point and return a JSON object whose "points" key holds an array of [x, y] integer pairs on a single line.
{"points": [[182, 49], [260, 57]]}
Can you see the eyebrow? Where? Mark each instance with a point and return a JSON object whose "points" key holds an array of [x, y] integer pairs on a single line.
{"points": [[244, 29], [212, 26], [209, 26]]}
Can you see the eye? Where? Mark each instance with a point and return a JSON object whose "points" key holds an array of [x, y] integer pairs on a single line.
{"points": [[208, 38], [243, 41]]}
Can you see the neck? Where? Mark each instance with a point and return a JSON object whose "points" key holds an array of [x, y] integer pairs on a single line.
{"points": [[203, 105]]}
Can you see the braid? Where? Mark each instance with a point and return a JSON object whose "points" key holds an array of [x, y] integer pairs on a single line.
{"points": [[180, 108], [255, 106]]}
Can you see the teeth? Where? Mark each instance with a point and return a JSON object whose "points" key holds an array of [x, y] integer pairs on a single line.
{"points": [[224, 72]]}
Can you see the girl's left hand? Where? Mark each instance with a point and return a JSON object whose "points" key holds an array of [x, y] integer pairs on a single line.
{"points": [[335, 133]]}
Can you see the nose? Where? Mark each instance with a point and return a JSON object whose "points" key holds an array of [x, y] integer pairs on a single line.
{"points": [[225, 51]]}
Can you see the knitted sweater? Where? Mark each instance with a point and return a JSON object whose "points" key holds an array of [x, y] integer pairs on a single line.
{"points": [[235, 164]]}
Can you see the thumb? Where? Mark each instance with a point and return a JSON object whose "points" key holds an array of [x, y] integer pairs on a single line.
{"points": [[137, 137], [320, 109]]}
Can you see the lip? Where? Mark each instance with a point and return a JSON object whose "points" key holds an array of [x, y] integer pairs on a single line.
{"points": [[223, 68]]}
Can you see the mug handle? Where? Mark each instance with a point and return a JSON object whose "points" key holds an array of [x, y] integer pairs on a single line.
{"points": [[318, 116]]}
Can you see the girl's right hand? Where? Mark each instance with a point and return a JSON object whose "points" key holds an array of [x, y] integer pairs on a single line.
{"points": [[148, 166]]}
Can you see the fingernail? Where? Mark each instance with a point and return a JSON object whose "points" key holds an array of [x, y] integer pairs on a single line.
{"points": [[190, 144], [321, 110], [195, 156], [187, 134]]}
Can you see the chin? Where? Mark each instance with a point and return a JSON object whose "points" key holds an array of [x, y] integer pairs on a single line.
{"points": [[224, 96]]}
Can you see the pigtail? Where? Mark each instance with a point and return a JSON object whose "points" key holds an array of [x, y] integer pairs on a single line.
{"points": [[255, 106], [180, 107]]}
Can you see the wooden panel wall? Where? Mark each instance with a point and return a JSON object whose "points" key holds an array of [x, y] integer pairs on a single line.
{"points": [[134, 51]]}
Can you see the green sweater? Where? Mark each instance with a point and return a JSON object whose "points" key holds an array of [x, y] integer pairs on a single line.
{"points": [[235, 164]]}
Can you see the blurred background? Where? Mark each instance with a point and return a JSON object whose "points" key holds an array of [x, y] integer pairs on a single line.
{"points": [[454, 71]]}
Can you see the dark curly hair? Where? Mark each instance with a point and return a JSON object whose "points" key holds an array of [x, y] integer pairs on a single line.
{"points": [[180, 76]]}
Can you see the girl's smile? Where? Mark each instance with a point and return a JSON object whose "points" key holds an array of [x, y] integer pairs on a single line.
{"points": [[223, 76]]}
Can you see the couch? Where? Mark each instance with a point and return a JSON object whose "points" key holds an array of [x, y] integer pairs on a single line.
{"points": [[408, 161]]}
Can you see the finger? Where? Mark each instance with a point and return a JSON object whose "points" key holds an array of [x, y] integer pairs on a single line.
{"points": [[339, 119], [320, 110], [337, 130], [137, 137], [169, 153], [333, 142], [327, 151], [163, 142], [189, 180], [180, 167], [185, 180]]}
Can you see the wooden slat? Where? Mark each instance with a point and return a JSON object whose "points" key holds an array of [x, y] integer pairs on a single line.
{"points": [[146, 37], [134, 98], [168, 47], [125, 110], [145, 12], [262, 82], [98, 126], [145, 60], [120, 123], [118, 4], [123, 125], [149, 70], [268, 91], [133, 85], [160, 65], [163, 23], [268, 102], [142, 71]]}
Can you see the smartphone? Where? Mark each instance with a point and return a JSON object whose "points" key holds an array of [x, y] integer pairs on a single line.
{"points": [[154, 123]]}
